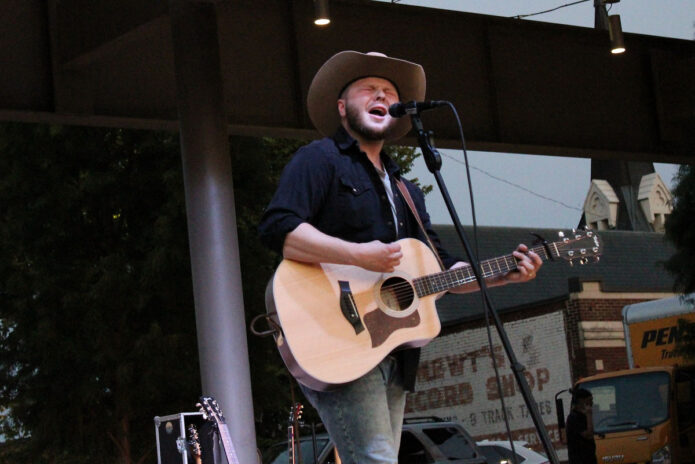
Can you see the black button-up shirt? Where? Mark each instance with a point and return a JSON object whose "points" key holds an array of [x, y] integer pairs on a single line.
{"points": [[332, 185]]}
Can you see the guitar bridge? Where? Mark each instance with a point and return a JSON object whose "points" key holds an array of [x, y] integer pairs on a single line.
{"points": [[348, 307]]}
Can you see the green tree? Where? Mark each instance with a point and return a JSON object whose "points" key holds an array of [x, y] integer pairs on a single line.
{"points": [[680, 230], [97, 324]]}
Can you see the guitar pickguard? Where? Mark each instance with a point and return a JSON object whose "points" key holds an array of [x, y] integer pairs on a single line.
{"points": [[380, 325]]}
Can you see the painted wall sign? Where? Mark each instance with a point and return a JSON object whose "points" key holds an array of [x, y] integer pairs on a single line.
{"points": [[456, 379]]}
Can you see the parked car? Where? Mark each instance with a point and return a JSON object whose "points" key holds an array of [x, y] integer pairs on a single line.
{"points": [[423, 441], [500, 452]]}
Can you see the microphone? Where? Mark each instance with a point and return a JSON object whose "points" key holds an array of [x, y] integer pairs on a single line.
{"points": [[400, 109]]}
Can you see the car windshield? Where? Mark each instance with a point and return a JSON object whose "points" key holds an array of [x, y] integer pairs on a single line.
{"points": [[629, 401], [451, 442]]}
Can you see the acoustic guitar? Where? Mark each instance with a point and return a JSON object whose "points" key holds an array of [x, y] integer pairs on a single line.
{"points": [[337, 322]]}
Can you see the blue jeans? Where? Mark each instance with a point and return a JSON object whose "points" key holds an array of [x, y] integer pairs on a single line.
{"points": [[364, 417]]}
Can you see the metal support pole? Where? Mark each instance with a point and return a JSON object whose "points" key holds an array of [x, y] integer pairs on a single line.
{"points": [[211, 217]]}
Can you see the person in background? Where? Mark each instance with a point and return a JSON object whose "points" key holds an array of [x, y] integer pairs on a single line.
{"points": [[581, 447]]}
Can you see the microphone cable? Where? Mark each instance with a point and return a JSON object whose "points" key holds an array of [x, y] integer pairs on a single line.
{"points": [[482, 297]]}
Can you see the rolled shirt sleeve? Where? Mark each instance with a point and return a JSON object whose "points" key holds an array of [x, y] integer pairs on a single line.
{"points": [[303, 186]]}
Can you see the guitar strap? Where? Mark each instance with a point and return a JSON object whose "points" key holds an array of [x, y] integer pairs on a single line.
{"points": [[408, 199]]}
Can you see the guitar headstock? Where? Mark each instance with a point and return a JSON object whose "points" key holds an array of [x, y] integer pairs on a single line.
{"points": [[580, 246], [296, 413], [211, 410], [194, 440]]}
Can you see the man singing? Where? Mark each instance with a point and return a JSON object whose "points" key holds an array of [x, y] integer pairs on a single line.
{"points": [[338, 202]]}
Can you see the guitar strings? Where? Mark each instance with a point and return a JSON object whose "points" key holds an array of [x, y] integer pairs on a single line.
{"points": [[446, 277], [435, 283], [404, 289]]}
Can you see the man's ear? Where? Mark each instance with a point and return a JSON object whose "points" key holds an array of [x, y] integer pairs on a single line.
{"points": [[341, 108]]}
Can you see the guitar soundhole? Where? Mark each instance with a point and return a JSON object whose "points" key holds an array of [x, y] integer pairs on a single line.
{"points": [[397, 293]]}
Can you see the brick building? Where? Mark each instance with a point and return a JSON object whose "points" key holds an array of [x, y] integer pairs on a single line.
{"points": [[563, 325]]}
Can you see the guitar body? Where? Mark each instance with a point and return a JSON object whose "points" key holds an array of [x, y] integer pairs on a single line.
{"points": [[319, 343]]}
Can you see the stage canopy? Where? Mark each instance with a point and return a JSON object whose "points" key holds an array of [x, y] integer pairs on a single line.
{"points": [[520, 86]]}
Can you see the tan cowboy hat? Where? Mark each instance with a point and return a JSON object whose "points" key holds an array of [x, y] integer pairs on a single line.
{"points": [[347, 66]]}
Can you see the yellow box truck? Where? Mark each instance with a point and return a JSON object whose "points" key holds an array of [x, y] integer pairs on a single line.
{"points": [[646, 414]]}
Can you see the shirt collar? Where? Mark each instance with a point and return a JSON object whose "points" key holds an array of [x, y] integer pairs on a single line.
{"points": [[347, 144], [344, 141]]}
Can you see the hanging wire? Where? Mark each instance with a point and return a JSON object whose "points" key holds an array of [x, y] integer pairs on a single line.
{"points": [[548, 11], [520, 187]]}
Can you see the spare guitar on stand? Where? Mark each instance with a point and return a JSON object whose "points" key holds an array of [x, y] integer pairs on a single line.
{"points": [[294, 448], [194, 444], [175, 441], [212, 412]]}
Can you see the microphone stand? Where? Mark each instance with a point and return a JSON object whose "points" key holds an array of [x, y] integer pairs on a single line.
{"points": [[434, 162]]}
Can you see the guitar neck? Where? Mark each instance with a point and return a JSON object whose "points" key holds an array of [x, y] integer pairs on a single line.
{"points": [[452, 278], [290, 444], [227, 443]]}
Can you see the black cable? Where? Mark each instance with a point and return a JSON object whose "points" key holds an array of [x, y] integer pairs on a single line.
{"points": [[520, 187], [548, 11], [482, 297]]}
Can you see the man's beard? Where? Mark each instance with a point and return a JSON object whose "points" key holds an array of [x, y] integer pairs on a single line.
{"points": [[368, 133]]}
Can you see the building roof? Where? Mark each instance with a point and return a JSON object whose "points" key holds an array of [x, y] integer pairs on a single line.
{"points": [[630, 262]]}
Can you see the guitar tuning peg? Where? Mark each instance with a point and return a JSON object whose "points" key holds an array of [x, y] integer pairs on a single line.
{"points": [[571, 263], [597, 259], [561, 234]]}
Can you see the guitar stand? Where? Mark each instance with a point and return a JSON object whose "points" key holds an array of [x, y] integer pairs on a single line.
{"points": [[434, 162]]}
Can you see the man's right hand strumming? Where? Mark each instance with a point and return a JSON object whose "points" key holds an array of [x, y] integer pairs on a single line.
{"points": [[377, 256]]}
